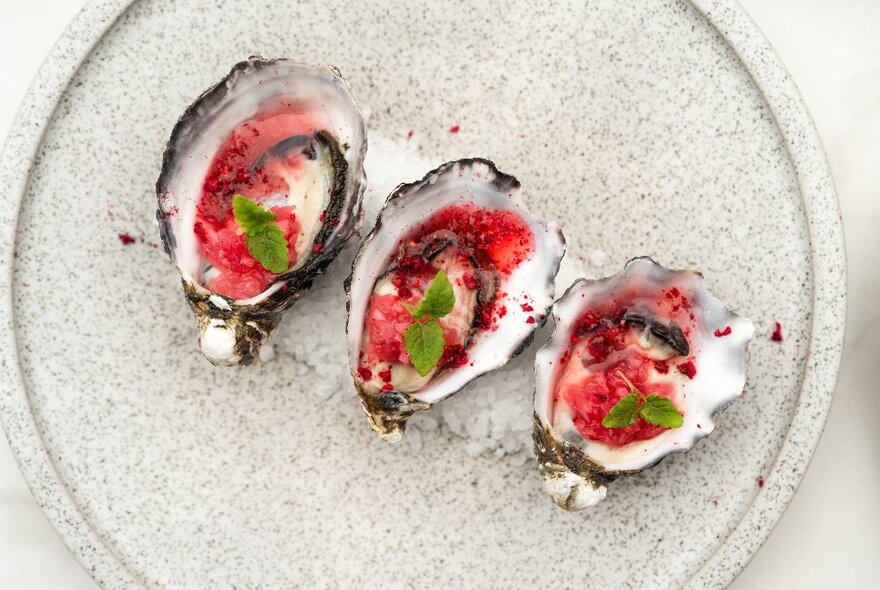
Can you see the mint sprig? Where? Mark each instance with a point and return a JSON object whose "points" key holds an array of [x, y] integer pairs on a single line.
{"points": [[269, 248], [659, 411], [438, 301], [654, 409], [424, 337], [623, 413], [265, 241], [250, 216], [424, 344]]}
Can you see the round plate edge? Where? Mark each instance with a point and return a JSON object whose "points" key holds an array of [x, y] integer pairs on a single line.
{"points": [[829, 303]]}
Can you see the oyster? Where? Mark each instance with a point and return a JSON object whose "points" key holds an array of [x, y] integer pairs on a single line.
{"points": [[467, 219], [649, 330], [289, 137]]}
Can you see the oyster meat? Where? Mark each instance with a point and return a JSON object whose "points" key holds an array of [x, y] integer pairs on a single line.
{"points": [[648, 330], [466, 219], [289, 137]]}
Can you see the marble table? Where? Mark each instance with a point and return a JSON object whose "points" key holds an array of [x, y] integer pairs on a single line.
{"points": [[830, 535]]}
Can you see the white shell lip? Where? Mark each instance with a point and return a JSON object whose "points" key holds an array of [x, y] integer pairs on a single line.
{"points": [[478, 181], [721, 370]]}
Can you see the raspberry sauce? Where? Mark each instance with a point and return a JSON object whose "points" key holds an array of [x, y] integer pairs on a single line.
{"points": [[498, 237], [485, 244], [246, 164], [604, 344]]}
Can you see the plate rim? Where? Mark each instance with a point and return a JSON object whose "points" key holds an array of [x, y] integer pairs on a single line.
{"points": [[828, 251], [821, 208]]}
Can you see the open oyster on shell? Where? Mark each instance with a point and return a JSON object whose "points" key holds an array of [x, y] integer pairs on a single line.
{"points": [[466, 219], [289, 137], [649, 330]]}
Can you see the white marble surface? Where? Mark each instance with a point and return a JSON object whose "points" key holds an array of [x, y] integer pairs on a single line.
{"points": [[830, 533]]}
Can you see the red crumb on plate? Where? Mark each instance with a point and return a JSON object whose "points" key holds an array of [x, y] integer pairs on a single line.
{"points": [[454, 129], [127, 240], [777, 333], [725, 332]]}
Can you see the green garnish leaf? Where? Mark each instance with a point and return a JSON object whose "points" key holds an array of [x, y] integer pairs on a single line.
{"points": [[251, 217], [265, 241], [424, 339], [424, 344], [438, 301], [659, 411], [269, 248], [623, 413], [654, 409]]}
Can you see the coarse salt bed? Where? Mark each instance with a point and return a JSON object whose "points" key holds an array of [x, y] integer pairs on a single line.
{"points": [[598, 258]]}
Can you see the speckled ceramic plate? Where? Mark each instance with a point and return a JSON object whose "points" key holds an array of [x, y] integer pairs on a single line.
{"points": [[647, 127]]}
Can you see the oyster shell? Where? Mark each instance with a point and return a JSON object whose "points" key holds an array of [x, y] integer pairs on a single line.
{"points": [[284, 134], [467, 219], [661, 330]]}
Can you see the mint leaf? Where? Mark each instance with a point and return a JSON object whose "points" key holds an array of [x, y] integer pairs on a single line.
{"points": [[265, 241], [659, 411], [424, 343], [250, 216], [424, 340], [438, 301], [654, 409], [623, 413], [269, 248]]}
